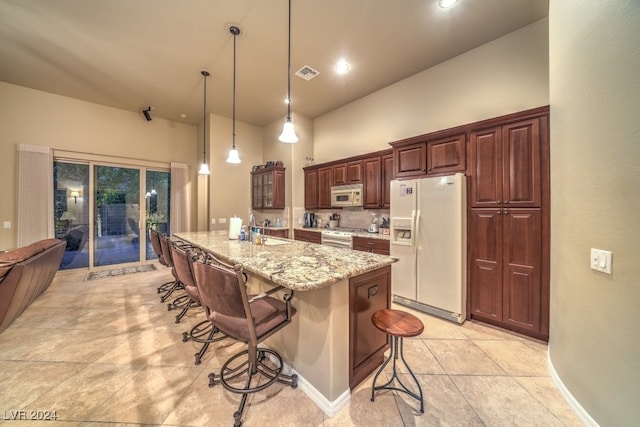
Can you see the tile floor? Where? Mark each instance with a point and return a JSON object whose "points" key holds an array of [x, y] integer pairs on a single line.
{"points": [[107, 353]]}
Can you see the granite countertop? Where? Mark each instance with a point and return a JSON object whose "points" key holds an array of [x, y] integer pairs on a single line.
{"points": [[295, 265], [365, 234]]}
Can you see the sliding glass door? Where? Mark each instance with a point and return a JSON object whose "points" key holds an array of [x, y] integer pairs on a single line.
{"points": [[104, 212]]}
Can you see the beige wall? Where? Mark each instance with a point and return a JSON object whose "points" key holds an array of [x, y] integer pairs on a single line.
{"points": [[39, 118], [595, 173], [230, 192], [507, 75]]}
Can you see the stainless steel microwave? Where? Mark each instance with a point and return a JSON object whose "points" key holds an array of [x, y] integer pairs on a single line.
{"points": [[346, 195]]}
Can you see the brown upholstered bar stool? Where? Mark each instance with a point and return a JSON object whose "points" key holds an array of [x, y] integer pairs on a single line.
{"points": [[397, 324]]}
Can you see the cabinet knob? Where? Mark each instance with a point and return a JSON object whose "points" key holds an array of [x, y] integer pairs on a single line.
{"points": [[498, 201], [499, 212], [506, 201], [506, 211]]}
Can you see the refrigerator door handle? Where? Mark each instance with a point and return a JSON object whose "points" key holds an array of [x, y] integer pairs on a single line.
{"points": [[416, 228]]}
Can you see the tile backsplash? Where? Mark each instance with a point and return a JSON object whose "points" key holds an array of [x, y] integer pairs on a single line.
{"points": [[351, 217]]}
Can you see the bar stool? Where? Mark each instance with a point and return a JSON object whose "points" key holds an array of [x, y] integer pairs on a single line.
{"points": [[398, 324]]}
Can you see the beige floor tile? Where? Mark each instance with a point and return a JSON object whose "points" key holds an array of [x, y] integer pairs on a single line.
{"points": [[546, 392], [24, 382], [443, 403], [361, 411], [463, 357], [34, 423], [482, 331], [80, 395], [515, 357], [501, 401], [418, 357], [147, 397]]}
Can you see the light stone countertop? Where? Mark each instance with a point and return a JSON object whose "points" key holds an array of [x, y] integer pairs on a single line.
{"points": [[295, 265]]}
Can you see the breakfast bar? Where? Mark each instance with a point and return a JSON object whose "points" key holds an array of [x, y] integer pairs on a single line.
{"points": [[331, 343]]}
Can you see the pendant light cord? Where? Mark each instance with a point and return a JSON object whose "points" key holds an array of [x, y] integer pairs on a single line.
{"points": [[233, 133], [289, 68], [204, 118]]}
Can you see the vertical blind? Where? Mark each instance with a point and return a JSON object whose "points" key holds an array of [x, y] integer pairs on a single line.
{"points": [[35, 194], [180, 198]]}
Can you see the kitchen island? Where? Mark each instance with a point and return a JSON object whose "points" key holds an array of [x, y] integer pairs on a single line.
{"points": [[331, 342]]}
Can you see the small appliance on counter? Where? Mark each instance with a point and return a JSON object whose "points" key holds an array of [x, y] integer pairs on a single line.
{"points": [[373, 227], [333, 220], [309, 220], [384, 227]]}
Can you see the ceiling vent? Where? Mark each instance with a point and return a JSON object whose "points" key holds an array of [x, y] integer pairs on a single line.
{"points": [[307, 73]]}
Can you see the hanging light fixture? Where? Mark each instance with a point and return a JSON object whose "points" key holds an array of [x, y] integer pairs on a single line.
{"points": [[233, 154], [288, 134], [204, 167]]}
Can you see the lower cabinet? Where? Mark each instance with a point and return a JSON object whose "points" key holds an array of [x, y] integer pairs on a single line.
{"points": [[505, 268], [307, 236], [376, 246], [368, 293], [284, 232]]}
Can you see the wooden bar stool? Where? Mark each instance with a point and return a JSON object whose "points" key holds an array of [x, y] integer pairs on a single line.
{"points": [[398, 324]]}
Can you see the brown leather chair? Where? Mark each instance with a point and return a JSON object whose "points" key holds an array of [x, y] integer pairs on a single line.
{"points": [[204, 331], [251, 320], [157, 248], [166, 255]]}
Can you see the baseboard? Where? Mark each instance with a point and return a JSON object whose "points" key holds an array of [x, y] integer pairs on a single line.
{"points": [[330, 408], [571, 401]]}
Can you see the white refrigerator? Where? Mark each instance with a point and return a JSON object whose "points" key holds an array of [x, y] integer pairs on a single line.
{"points": [[428, 236]]}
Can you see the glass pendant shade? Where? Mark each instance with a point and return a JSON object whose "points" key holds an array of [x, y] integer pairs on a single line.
{"points": [[204, 169], [288, 134], [233, 156]]}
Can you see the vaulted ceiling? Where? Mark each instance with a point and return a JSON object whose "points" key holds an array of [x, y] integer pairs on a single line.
{"points": [[131, 54]]}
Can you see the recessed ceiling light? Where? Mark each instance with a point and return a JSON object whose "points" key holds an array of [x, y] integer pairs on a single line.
{"points": [[342, 66], [445, 4], [183, 115]]}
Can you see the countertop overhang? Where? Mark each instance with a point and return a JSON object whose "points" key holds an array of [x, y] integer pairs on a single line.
{"points": [[293, 264]]}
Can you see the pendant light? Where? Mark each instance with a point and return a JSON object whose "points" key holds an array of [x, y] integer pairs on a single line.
{"points": [[233, 154], [204, 167], [288, 134]]}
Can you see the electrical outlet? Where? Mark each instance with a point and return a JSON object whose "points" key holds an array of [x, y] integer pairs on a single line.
{"points": [[213, 221], [222, 220], [7, 224]]}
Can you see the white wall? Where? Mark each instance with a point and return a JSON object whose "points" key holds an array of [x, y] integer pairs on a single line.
{"points": [[504, 76], [595, 173], [40, 118]]}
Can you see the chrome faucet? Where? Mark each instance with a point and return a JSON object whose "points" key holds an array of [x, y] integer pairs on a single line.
{"points": [[252, 226]]}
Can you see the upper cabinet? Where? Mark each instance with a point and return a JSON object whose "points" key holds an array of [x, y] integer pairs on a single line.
{"points": [[347, 173], [311, 188], [378, 173], [439, 153], [505, 165], [267, 188]]}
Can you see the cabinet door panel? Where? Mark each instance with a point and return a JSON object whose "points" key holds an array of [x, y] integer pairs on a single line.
{"points": [[446, 155], [311, 189], [371, 187], [485, 257], [340, 174], [522, 264], [354, 172], [325, 181], [411, 160], [387, 177], [278, 189], [486, 168], [521, 154]]}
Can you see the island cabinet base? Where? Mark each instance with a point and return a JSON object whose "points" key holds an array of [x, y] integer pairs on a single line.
{"points": [[368, 293]]}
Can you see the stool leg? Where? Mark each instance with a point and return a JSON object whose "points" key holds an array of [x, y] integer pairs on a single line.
{"points": [[396, 343]]}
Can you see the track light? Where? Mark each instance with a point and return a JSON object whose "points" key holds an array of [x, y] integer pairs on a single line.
{"points": [[147, 113]]}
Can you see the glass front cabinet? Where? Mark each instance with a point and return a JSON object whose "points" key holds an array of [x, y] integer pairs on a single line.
{"points": [[267, 188]]}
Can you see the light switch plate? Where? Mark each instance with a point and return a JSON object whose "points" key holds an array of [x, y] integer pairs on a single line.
{"points": [[222, 220], [6, 224], [601, 260], [213, 221]]}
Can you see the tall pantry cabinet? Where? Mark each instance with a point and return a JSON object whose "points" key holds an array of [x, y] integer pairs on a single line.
{"points": [[508, 224]]}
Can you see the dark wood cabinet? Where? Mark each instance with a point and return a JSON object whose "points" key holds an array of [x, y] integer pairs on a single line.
{"points": [[307, 236], [340, 174], [446, 155], [506, 165], [325, 181], [410, 159], [311, 189], [508, 224], [281, 232], [354, 172], [506, 261], [378, 173], [368, 293], [376, 246], [267, 188]]}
